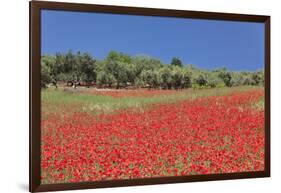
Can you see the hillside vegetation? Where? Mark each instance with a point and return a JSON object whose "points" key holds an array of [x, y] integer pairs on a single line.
{"points": [[119, 70]]}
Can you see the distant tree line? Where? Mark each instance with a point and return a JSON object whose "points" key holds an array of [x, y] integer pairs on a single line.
{"points": [[119, 70]]}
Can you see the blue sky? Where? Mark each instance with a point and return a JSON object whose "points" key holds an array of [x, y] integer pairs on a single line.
{"points": [[208, 44]]}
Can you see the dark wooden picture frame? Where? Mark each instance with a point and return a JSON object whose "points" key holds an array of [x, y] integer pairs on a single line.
{"points": [[34, 100]]}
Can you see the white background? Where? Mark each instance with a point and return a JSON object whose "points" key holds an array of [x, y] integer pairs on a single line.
{"points": [[14, 95]]}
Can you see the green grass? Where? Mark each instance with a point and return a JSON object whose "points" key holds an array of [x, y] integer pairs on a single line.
{"points": [[57, 100], [81, 102]]}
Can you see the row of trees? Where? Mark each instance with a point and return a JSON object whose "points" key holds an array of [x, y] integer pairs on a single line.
{"points": [[121, 70]]}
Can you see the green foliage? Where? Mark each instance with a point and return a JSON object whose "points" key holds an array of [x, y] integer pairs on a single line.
{"points": [[121, 70], [104, 78], [200, 78], [187, 75], [86, 67], [45, 75], [176, 62], [177, 77], [165, 77], [214, 80], [67, 67], [237, 79], [117, 65], [47, 68], [150, 77], [145, 63], [224, 75], [258, 78]]}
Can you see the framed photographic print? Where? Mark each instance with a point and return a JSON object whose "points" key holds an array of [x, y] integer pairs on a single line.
{"points": [[123, 96]]}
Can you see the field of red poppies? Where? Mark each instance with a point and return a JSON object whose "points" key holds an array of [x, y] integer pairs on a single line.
{"points": [[92, 136]]}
